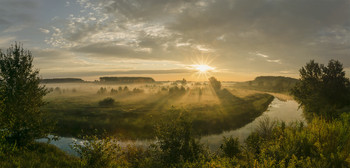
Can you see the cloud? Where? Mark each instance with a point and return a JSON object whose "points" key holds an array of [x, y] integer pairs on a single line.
{"points": [[116, 73], [291, 32], [16, 13], [274, 61], [45, 31], [14, 29], [262, 55]]}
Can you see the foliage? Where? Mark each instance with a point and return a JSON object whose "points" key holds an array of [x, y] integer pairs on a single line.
{"points": [[215, 83], [274, 144], [176, 140], [98, 152], [102, 90], [137, 91], [22, 97], [320, 144], [126, 89], [114, 91], [107, 102], [38, 155], [230, 147], [177, 91], [322, 90], [183, 81]]}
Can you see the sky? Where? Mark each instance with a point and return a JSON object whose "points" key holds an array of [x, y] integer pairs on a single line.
{"points": [[167, 39]]}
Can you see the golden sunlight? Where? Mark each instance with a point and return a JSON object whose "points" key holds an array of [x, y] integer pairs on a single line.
{"points": [[203, 68]]}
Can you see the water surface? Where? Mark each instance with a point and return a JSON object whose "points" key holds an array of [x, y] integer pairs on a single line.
{"points": [[278, 110]]}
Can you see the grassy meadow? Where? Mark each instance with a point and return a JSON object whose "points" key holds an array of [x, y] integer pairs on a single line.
{"points": [[134, 109]]}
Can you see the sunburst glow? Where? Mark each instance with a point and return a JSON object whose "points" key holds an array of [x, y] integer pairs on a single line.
{"points": [[203, 68]]}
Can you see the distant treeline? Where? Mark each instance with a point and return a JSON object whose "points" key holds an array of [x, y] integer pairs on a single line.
{"points": [[126, 79], [62, 80], [270, 83], [102, 80]]}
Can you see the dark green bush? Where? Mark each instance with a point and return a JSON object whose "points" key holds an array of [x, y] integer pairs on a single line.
{"points": [[320, 144], [176, 140], [107, 102], [230, 147], [98, 152]]}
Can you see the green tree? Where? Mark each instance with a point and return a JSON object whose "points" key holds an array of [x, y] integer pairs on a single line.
{"points": [[23, 97], [322, 90]]}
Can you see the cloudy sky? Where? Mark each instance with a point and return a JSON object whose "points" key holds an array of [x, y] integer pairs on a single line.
{"points": [[164, 39]]}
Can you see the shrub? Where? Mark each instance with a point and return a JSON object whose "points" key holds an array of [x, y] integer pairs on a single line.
{"points": [[320, 144], [137, 91], [114, 91], [230, 147], [98, 152], [176, 140], [102, 90], [107, 102]]}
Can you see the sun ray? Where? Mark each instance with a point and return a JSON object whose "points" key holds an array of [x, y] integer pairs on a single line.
{"points": [[201, 66]]}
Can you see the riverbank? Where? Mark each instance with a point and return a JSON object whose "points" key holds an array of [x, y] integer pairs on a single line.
{"points": [[133, 116], [286, 111], [38, 155]]}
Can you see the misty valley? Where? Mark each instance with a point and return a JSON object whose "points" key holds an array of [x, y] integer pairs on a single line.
{"points": [[174, 84], [134, 109]]}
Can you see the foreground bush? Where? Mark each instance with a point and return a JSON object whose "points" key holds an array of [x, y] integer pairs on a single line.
{"points": [[38, 155], [230, 147], [98, 152], [176, 140], [320, 144]]}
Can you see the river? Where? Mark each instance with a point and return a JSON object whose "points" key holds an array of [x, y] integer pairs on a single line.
{"points": [[278, 110]]}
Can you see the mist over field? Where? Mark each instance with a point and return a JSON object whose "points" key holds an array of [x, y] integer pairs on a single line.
{"points": [[185, 84]]}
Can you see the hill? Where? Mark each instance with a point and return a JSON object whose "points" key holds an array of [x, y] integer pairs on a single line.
{"points": [[269, 83]]}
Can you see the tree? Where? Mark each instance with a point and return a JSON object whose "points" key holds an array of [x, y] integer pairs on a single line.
{"points": [[23, 97], [322, 90], [184, 81], [215, 83]]}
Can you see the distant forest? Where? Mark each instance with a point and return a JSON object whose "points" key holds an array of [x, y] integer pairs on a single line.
{"points": [[62, 80], [127, 79], [102, 80], [270, 83]]}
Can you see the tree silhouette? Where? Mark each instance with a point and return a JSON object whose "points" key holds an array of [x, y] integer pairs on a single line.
{"points": [[215, 83], [322, 90], [23, 97]]}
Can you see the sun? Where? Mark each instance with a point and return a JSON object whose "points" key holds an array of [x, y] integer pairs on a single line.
{"points": [[202, 68]]}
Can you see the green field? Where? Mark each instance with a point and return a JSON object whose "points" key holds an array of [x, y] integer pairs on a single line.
{"points": [[76, 108]]}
